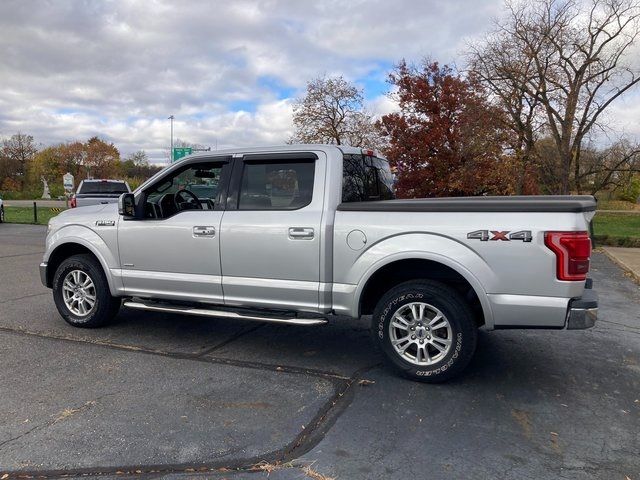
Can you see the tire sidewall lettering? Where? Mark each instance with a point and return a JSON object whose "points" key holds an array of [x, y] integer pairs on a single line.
{"points": [[393, 306]]}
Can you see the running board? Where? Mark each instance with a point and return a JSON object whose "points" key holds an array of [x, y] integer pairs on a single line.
{"points": [[205, 312]]}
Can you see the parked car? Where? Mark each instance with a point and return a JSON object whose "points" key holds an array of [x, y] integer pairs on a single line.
{"points": [[95, 192], [303, 234], [1, 211]]}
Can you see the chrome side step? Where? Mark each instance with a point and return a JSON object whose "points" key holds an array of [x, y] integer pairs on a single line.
{"points": [[205, 312]]}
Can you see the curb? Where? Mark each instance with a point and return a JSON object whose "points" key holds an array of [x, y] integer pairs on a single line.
{"points": [[634, 276]]}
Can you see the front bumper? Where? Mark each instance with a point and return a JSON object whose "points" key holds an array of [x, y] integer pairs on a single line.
{"points": [[43, 274], [583, 311]]}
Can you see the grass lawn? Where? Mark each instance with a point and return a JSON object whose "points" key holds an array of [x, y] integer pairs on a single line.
{"points": [[25, 214], [618, 205], [618, 229]]}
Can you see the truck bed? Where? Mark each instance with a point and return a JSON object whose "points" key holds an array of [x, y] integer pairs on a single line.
{"points": [[541, 203]]}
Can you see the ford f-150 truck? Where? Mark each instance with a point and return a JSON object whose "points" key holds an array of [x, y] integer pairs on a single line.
{"points": [[94, 192], [301, 234]]}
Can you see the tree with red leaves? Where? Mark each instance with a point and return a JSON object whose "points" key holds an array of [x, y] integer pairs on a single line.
{"points": [[447, 139]]}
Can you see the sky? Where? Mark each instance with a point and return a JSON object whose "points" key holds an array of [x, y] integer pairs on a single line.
{"points": [[228, 71]]}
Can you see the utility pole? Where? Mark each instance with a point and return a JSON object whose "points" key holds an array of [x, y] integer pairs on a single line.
{"points": [[171, 155]]}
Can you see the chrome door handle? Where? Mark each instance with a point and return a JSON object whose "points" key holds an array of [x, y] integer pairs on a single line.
{"points": [[300, 233], [204, 231]]}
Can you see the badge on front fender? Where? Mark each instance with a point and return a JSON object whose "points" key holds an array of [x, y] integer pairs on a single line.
{"points": [[105, 223]]}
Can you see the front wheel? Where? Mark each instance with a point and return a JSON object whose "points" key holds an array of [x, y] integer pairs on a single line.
{"points": [[81, 293], [426, 330]]}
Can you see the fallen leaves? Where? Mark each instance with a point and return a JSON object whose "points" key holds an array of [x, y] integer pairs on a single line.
{"points": [[311, 473], [365, 383], [268, 468], [69, 412]]}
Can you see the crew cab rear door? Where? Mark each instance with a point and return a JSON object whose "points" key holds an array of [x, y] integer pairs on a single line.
{"points": [[270, 234]]}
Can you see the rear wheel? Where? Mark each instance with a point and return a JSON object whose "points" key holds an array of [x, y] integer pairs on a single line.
{"points": [[425, 330], [81, 292]]}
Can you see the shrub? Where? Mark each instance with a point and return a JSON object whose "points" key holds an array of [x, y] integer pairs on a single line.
{"points": [[631, 191]]}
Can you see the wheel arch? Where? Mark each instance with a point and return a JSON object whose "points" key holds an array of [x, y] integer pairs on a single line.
{"points": [[79, 241], [395, 269]]}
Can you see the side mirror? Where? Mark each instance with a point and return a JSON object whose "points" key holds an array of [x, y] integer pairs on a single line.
{"points": [[127, 205]]}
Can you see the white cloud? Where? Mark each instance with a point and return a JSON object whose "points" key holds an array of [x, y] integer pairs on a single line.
{"points": [[382, 105], [226, 70]]}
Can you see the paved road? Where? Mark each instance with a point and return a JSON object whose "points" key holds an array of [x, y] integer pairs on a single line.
{"points": [[164, 396]]}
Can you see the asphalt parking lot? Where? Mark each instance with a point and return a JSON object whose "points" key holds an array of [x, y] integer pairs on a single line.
{"points": [[165, 396]]}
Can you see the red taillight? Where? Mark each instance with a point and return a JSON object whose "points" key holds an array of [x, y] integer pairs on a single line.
{"points": [[72, 202], [573, 251]]}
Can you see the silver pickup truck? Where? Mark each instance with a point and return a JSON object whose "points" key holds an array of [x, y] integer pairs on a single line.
{"points": [[95, 192], [301, 234]]}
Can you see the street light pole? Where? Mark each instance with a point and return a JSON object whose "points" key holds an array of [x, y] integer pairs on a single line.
{"points": [[171, 155]]}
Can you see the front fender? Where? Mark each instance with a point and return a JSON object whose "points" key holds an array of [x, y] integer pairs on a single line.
{"points": [[425, 246], [81, 235]]}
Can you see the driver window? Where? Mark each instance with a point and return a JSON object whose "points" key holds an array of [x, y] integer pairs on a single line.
{"points": [[180, 190]]}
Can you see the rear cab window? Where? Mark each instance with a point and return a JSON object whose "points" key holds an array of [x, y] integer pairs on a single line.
{"points": [[366, 178], [103, 187]]}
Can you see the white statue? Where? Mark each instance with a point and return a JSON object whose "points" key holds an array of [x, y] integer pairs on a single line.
{"points": [[46, 194]]}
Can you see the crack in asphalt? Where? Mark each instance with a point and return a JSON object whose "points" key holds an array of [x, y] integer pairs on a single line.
{"points": [[60, 417], [631, 327], [196, 357], [21, 255], [305, 441], [25, 296], [229, 340]]}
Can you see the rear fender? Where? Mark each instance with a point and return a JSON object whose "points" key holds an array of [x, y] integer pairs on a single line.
{"points": [[426, 246]]}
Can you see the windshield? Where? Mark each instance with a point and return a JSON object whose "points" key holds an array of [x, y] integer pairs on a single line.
{"points": [[103, 187]]}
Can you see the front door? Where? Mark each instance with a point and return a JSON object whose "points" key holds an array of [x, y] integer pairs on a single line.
{"points": [[174, 252], [270, 234]]}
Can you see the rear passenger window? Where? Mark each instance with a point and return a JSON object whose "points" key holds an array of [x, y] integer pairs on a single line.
{"points": [[276, 185], [366, 178]]}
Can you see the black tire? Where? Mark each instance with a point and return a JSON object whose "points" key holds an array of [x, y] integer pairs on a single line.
{"points": [[457, 312], [105, 307]]}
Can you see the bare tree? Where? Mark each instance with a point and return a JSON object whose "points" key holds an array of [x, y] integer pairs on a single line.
{"points": [[138, 158], [16, 153], [508, 73], [332, 111], [570, 61], [611, 168]]}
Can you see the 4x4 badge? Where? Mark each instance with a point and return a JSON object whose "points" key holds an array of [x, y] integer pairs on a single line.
{"points": [[503, 235]]}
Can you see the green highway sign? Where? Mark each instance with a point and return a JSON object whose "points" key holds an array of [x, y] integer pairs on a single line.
{"points": [[179, 152]]}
